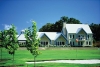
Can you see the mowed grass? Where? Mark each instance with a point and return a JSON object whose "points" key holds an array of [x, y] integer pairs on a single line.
{"points": [[55, 53]]}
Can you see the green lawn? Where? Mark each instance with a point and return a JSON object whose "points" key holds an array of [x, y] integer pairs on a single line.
{"points": [[22, 55]]}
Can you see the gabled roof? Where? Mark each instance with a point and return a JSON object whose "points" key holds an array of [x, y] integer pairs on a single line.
{"points": [[80, 30], [21, 37], [43, 35], [74, 28], [51, 35], [60, 35]]}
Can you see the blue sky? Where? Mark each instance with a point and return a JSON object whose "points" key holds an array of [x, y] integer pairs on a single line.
{"points": [[22, 12]]}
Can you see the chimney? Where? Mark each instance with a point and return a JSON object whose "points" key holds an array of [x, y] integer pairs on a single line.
{"points": [[64, 28], [64, 24]]}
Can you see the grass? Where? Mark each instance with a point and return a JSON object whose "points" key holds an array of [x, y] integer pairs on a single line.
{"points": [[65, 65], [22, 55]]}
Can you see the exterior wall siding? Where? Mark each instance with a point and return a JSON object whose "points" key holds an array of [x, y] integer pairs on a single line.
{"points": [[86, 40], [45, 39], [61, 39]]}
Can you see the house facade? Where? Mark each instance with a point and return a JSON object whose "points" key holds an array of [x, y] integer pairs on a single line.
{"points": [[71, 34]]}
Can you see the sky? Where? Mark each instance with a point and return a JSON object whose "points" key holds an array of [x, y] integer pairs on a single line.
{"points": [[22, 12]]}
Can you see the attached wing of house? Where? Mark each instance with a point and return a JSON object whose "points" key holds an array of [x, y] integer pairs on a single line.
{"points": [[81, 32]]}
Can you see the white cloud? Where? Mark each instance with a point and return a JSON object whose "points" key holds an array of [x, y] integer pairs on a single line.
{"points": [[27, 22], [31, 20], [7, 27]]}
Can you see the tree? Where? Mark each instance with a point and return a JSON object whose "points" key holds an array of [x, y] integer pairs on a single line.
{"points": [[32, 42], [64, 19], [57, 27], [73, 21], [11, 41], [48, 27], [3, 40], [96, 31]]}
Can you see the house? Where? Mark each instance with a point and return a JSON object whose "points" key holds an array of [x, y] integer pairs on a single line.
{"points": [[21, 38], [68, 36], [81, 32]]}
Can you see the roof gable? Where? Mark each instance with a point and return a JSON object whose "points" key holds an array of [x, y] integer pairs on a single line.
{"points": [[50, 35], [45, 35], [61, 35], [73, 28], [21, 37], [80, 29]]}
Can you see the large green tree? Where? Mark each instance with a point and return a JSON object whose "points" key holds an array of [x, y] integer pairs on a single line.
{"points": [[96, 31], [48, 27], [57, 27], [11, 41], [32, 42], [3, 40]]}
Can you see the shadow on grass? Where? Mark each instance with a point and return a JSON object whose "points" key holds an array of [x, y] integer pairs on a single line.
{"points": [[3, 61], [13, 65]]}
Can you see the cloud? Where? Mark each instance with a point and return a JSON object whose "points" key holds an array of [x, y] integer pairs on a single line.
{"points": [[7, 27], [31, 20], [27, 22]]}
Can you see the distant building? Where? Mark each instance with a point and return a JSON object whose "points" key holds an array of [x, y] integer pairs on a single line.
{"points": [[68, 36]]}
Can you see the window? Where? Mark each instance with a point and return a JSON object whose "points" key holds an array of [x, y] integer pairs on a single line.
{"points": [[58, 43], [46, 43], [79, 36], [24, 42], [73, 43], [73, 36], [70, 36], [41, 43], [62, 43], [81, 43], [70, 43], [78, 43], [88, 36], [83, 36], [87, 42]]}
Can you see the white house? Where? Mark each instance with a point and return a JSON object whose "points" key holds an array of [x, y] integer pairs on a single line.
{"points": [[68, 36]]}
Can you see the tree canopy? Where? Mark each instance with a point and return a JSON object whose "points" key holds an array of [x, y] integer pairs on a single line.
{"points": [[32, 42], [96, 31], [57, 26]]}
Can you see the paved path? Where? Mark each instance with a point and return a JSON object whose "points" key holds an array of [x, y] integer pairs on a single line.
{"points": [[94, 61]]}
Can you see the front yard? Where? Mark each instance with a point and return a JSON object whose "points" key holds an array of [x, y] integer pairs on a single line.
{"points": [[55, 53]]}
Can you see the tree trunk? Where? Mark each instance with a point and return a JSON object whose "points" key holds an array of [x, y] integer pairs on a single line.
{"points": [[34, 61], [1, 53], [13, 59]]}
